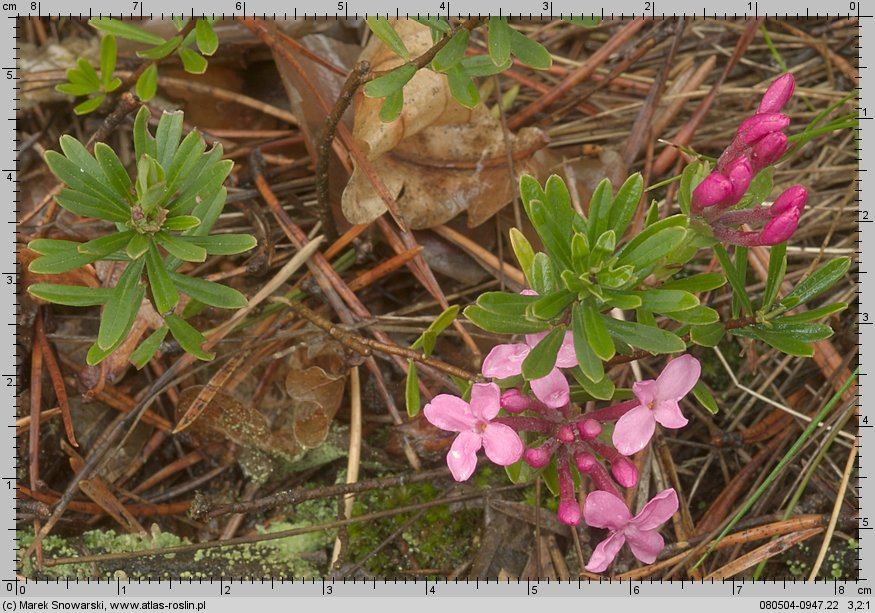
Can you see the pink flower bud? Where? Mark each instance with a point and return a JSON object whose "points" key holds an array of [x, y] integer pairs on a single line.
{"points": [[565, 434], [538, 457], [777, 95], [754, 128], [569, 512], [791, 198], [624, 472], [780, 228], [589, 429], [712, 191], [768, 151], [740, 174], [584, 461], [515, 401]]}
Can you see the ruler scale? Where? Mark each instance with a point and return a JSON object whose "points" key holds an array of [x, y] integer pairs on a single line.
{"points": [[206, 594]]}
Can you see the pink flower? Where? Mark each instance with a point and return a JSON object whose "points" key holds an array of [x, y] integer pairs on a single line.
{"points": [[473, 423], [659, 403], [777, 95], [604, 510], [507, 361]]}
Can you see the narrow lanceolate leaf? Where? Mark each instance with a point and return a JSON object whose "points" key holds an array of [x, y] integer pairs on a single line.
{"points": [[739, 290], [61, 261], [78, 177], [192, 61], [648, 338], [90, 105], [697, 316], [411, 391], [505, 303], [159, 52], [498, 32], [144, 142], [625, 203], [391, 82], [815, 314], [599, 210], [603, 389], [207, 41], [188, 337], [121, 308], [125, 30], [667, 300], [530, 52], [187, 156], [207, 292], [452, 53], [202, 188], [708, 335], [384, 30], [543, 274], [106, 245], [482, 66], [137, 246], [148, 348], [817, 282], [86, 205], [75, 89], [523, 251], [462, 88], [596, 333], [704, 282], [147, 84], [222, 244], [501, 323], [705, 398], [163, 292], [181, 247], [542, 358], [107, 58], [443, 321], [70, 295], [588, 361], [552, 305], [113, 170], [167, 136], [181, 222], [652, 249], [781, 341], [393, 104]]}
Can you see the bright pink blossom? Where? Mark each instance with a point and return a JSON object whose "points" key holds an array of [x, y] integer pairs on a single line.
{"points": [[777, 95], [473, 422], [507, 361], [659, 403], [605, 510]]}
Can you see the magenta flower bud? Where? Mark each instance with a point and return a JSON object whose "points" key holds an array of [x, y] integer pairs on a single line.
{"points": [[791, 198], [780, 228], [715, 189], [624, 472], [754, 128], [569, 512], [515, 401], [539, 457], [565, 434], [589, 429], [584, 461], [768, 151], [740, 174], [777, 95]]}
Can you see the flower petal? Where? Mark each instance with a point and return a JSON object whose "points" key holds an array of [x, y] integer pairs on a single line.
{"points": [[668, 413], [605, 552], [449, 412], [567, 358], [658, 511], [678, 378], [604, 510], [645, 545], [633, 430], [534, 339], [485, 400], [505, 360], [552, 390], [645, 391], [502, 444], [462, 458]]}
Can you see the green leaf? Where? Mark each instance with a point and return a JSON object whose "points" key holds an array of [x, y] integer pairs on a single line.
{"points": [[542, 358], [201, 189], [738, 286], [445, 319], [708, 335], [144, 142], [85, 205], [543, 274], [482, 66], [90, 105], [555, 234], [147, 349], [207, 292], [167, 136], [705, 398], [523, 251], [781, 341], [411, 390], [621, 300], [207, 40], [164, 293], [435, 23], [107, 58], [580, 253], [192, 61], [452, 53], [137, 246], [161, 51], [122, 307], [147, 84], [125, 30], [740, 262], [589, 362], [106, 245], [505, 303], [530, 52], [648, 338], [815, 314], [51, 246], [625, 202], [777, 268], [77, 177], [70, 295], [76, 89], [382, 27], [704, 282], [691, 176], [113, 85], [392, 106], [697, 316], [802, 331], [114, 171], [222, 244], [501, 323], [498, 43], [391, 82], [667, 300], [87, 73], [551, 305], [599, 210], [603, 389], [186, 158], [759, 189], [181, 247], [188, 337], [652, 249], [56, 263], [462, 87], [817, 282], [597, 333]]}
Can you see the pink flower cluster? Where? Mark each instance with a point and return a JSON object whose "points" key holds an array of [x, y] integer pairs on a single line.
{"points": [[758, 143], [573, 439]]}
